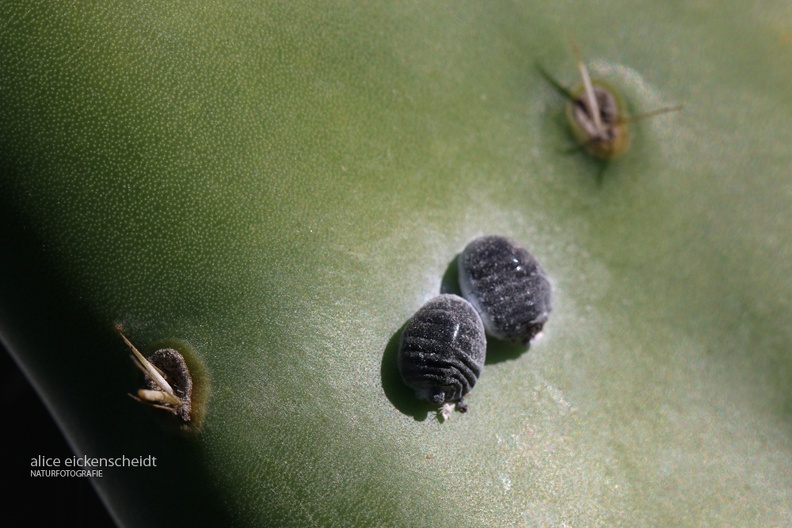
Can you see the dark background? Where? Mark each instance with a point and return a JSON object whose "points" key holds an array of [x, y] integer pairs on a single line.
{"points": [[29, 431]]}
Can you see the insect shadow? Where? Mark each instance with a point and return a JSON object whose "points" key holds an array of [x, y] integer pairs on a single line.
{"points": [[399, 394]]}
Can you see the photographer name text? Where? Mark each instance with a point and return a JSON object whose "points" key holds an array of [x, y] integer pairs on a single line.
{"points": [[85, 466]]}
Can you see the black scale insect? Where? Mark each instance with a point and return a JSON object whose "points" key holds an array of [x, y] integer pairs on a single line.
{"points": [[442, 351], [507, 286]]}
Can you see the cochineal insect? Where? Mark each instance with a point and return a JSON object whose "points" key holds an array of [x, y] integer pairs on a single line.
{"points": [[442, 352], [507, 286]]}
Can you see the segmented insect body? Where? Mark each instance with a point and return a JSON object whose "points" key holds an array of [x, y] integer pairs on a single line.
{"points": [[442, 350], [507, 286]]}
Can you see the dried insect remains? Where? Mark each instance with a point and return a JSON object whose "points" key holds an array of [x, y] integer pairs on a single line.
{"points": [[169, 385], [597, 115]]}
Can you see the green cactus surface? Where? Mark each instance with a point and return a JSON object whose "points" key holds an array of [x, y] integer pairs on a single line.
{"points": [[279, 186]]}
